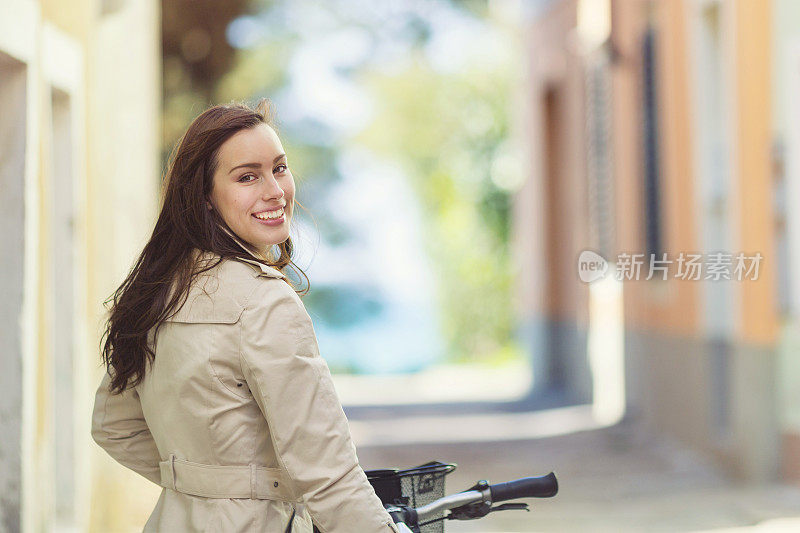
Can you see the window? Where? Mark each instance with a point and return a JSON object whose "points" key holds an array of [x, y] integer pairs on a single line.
{"points": [[652, 204]]}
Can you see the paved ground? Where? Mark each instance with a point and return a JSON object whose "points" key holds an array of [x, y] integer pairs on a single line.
{"points": [[611, 479]]}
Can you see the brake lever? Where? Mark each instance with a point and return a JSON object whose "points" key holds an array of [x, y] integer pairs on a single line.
{"points": [[470, 512], [474, 510], [482, 508], [510, 507]]}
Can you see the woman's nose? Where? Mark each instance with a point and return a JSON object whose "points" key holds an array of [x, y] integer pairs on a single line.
{"points": [[272, 189]]}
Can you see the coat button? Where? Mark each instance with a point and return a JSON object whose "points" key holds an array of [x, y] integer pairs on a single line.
{"points": [[238, 384], [275, 484]]}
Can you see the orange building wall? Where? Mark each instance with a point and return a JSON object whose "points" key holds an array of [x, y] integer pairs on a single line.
{"points": [[669, 306], [759, 320]]}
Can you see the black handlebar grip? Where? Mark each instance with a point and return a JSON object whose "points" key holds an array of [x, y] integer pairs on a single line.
{"points": [[527, 487]]}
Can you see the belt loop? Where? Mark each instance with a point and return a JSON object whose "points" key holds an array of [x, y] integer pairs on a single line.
{"points": [[172, 469], [252, 481]]}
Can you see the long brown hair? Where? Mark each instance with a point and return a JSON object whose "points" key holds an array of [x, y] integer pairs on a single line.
{"points": [[184, 223]]}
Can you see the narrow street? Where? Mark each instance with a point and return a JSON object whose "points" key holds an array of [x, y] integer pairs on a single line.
{"points": [[611, 479]]}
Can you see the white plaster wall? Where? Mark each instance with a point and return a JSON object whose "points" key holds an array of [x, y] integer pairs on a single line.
{"points": [[18, 169], [79, 175], [786, 128], [123, 129]]}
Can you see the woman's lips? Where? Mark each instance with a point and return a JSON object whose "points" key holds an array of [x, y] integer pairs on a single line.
{"points": [[272, 221]]}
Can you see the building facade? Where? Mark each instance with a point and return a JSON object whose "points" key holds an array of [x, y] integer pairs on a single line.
{"points": [[651, 133], [79, 128]]}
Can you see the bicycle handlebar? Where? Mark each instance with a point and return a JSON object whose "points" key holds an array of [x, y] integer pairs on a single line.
{"points": [[527, 487], [448, 502]]}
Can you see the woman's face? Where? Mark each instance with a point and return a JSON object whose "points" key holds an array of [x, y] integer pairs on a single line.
{"points": [[253, 189]]}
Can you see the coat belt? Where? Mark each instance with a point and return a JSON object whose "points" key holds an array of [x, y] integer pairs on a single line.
{"points": [[222, 481]]}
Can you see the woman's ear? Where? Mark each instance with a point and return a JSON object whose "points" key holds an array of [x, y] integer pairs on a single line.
{"points": [[208, 205]]}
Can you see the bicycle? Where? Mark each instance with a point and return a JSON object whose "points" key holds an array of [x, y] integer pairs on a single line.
{"points": [[414, 497]]}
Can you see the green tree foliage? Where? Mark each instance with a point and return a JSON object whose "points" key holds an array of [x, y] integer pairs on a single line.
{"points": [[447, 129]]}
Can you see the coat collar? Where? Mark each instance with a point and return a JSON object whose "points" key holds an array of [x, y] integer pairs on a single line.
{"points": [[266, 270], [257, 261]]}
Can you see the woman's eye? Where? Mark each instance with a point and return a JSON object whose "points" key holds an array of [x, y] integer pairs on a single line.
{"points": [[281, 168], [247, 176]]}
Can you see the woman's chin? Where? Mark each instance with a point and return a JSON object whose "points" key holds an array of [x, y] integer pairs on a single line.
{"points": [[275, 239]]}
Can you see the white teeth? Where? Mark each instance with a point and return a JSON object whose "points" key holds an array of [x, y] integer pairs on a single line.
{"points": [[270, 214]]}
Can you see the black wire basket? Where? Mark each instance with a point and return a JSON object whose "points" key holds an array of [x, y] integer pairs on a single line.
{"points": [[415, 486]]}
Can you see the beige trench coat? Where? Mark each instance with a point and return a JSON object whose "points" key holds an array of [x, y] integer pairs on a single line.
{"points": [[238, 420]]}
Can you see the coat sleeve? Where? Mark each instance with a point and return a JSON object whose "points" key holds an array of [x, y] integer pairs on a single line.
{"points": [[293, 387], [119, 427]]}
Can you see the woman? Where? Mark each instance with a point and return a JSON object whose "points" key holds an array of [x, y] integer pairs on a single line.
{"points": [[215, 388]]}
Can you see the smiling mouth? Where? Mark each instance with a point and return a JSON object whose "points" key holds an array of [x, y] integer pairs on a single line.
{"points": [[270, 215]]}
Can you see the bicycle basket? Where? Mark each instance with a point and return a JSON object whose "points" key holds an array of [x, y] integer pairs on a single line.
{"points": [[414, 486]]}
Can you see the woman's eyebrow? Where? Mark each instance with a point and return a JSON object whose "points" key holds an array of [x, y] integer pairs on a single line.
{"points": [[257, 165]]}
